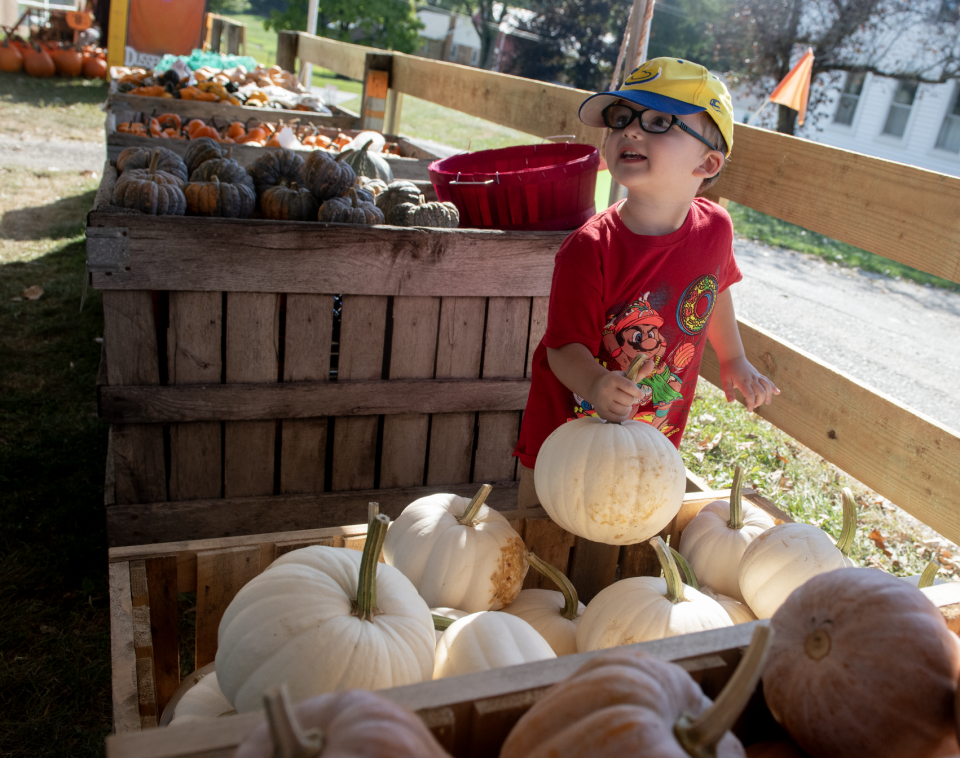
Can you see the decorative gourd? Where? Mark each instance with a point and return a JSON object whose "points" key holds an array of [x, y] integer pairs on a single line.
{"points": [[863, 664], [219, 199], [614, 483], [457, 552], [11, 59], [201, 701], [628, 703], [150, 191], [421, 213], [738, 612], [350, 724], [142, 157], [224, 169], [37, 62], [201, 150], [327, 176], [716, 537], [324, 619], [555, 615], [487, 640], [373, 186], [365, 163], [645, 608], [293, 203], [782, 558], [350, 210], [396, 194], [276, 168]]}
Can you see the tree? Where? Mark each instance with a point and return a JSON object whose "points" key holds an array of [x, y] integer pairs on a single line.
{"points": [[226, 7], [913, 40], [386, 24]]}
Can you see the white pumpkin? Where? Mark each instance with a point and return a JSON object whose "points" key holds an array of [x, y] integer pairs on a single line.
{"points": [[716, 537], [619, 484], [487, 640], [555, 615], [201, 702], [738, 612], [444, 617], [458, 553], [786, 556], [323, 619], [644, 608]]}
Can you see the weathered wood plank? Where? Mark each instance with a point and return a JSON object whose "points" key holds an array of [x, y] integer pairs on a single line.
{"points": [[908, 458], [161, 576], [126, 710], [193, 357], [552, 544], [143, 645], [252, 334], [538, 327], [362, 333], [459, 348], [220, 575], [342, 57], [305, 257], [307, 338], [413, 355]]}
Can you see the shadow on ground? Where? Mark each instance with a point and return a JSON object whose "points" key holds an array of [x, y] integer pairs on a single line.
{"points": [[60, 219]]}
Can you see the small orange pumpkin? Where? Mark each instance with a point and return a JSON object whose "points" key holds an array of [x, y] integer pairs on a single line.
{"points": [[94, 67], [11, 59], [38, 62], [68, 62]]}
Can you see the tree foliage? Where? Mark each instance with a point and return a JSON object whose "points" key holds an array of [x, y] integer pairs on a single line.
{"points": [[386, 24]]}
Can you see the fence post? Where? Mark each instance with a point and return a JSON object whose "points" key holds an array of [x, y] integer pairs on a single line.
{"points": [[376, 84], [287, 50]]}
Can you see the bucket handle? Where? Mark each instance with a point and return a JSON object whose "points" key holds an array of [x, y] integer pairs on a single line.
{"points": [[489, 181], [566, 137]]}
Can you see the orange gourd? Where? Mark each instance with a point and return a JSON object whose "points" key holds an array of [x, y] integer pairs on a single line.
{"points": [[38, 62], [155, 128], [205, 131], [95, 67], [863, 664], [169, 121], [236, 129], [11, 59]]}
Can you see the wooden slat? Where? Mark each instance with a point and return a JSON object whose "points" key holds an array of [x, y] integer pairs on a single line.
{"points": [[341, 57], [363, 322], [308, 257], [220, 575], [252, 334], [244, 402], [126, 711], [903, 455], [413, 355], [143, 645], [161, 576], [130, 343], [552, 544], [307, 337], [193, 357], [459, 348], [504, 352], [538, 327]]}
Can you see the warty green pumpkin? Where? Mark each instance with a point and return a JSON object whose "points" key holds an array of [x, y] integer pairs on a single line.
{"points": [[219, 199], [350, 210], [141, 158], [293, 203], [327, 176]]}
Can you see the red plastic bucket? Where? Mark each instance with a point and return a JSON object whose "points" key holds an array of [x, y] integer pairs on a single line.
{"points": [[548, 187]]}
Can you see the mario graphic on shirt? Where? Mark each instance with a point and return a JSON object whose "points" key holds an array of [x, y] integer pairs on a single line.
{"points": [[636, 330]]}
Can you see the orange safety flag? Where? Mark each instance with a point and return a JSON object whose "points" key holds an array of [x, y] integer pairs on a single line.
{"points": [[794, 90]]}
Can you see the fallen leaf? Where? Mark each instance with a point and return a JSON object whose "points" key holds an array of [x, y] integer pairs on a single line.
{"points": [[17, 299], [33, 293], [880, 542], [744, 445], [711, 444]]}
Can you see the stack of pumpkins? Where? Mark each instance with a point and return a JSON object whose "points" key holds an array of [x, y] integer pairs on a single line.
{"points": [[44, 59]]}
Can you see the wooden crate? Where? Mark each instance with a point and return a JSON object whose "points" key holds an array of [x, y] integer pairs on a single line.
{"points": [[145, 580]]}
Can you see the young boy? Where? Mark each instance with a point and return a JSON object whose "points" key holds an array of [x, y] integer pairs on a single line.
{"points": [[649, 275]]}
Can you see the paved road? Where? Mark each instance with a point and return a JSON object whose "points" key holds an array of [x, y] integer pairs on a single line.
{"points": [[65, 155]]}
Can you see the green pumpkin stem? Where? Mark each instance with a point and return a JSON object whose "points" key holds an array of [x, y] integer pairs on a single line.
{"points": [[367, 584], [849, 531], [736, 500], [288, 737], [441, 623], [474, 505], [670, 571], [571, 603], [689, 576], [632, 370], [929, 574], [699, 735]]}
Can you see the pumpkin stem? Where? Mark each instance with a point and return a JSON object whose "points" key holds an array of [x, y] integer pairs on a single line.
{"points": [[367, 584], [699, 736], [670, 571], [635, 365], [441, 623], [929, 574], [288, 737], [474, 505], [849, 530], [571, 603], [689, 576], [154, 160], [736, 500]]}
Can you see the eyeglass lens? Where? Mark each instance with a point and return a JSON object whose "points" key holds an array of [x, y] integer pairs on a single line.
{"points": [[619, 116]]}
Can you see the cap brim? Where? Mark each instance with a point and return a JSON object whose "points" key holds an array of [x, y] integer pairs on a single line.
{"points": [[591, 111]]}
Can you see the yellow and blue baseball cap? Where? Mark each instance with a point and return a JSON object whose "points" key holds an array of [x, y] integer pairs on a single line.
{"points": [[669, 85]]}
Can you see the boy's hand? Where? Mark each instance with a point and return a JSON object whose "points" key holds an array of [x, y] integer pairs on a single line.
{"points": [[739, 374], [613, 396]]}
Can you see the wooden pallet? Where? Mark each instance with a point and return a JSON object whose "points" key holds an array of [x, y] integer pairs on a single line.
{"points": [[145, 580]]}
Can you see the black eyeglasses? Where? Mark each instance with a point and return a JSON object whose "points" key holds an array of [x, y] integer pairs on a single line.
{"points": [[620, 116]]}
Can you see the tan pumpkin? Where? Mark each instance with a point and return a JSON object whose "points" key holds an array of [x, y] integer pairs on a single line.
{"points": [[863, 664], [350, 210], [628, 703], [150, 191], [293, 203], [219, 199], [326, 176], [276, 167], [351, 724], [142, 157]]}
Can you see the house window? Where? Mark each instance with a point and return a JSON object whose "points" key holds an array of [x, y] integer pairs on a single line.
{"points": [[896, 122], [454, 49], [474, 57], [949, 12], [849, 98], [949, 137]]}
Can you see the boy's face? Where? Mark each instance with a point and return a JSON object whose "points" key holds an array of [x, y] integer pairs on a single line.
{"points": [[668, 165]]}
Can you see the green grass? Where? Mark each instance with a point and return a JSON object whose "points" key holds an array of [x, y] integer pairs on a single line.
{"points": [[763, 228], [54, 108]]}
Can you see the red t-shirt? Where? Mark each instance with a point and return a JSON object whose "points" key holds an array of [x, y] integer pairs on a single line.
{"points": [[620, 293]]}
